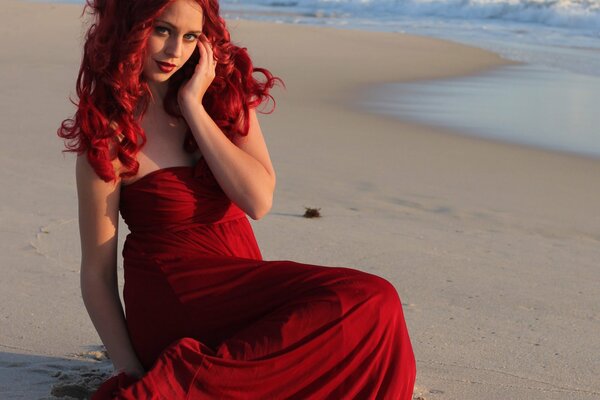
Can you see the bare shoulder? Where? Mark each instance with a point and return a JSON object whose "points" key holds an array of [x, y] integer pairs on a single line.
{"points": [[96, 197], [86, 174]]}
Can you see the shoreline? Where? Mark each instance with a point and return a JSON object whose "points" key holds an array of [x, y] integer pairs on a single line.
{"points": [[493, 248]]}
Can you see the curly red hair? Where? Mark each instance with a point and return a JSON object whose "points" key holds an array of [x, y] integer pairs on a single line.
{"points": [[113, 94]]}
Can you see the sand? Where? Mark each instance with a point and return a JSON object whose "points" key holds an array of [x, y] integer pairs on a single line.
{"points": [[494, 248]]}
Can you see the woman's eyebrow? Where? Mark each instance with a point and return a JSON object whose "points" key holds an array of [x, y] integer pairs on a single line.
{"points": [[174, 27]]}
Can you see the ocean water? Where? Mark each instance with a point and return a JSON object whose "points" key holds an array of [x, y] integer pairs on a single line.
{"points": [[580, 15], [559, 33]]}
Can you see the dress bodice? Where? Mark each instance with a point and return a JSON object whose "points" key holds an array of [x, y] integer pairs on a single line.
{"points": [[183, 208], [176, 198]]}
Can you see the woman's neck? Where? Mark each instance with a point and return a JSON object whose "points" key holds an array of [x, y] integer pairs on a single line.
{"points": [[159, 91]]}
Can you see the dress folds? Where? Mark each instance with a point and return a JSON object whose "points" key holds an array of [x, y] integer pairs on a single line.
{"points": [[210, 319]]}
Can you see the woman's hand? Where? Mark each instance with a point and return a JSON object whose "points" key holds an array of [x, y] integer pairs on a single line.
{"points": [[193, 90]]}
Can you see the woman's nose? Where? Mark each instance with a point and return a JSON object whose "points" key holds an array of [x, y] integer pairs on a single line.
{"points": [[173, 47]]}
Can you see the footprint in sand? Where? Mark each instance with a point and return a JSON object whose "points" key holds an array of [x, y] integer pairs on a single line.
{"points": [[77, 384], [74, 380]]}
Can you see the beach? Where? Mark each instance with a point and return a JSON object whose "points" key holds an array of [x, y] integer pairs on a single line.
{"points": [[493, 247]]}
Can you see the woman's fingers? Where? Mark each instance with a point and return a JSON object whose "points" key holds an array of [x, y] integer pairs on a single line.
{"points": [[209, 55], [195, 87], [203, 51]]}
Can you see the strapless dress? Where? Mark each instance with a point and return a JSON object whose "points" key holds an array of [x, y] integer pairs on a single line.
{"points": [[210, 319]]}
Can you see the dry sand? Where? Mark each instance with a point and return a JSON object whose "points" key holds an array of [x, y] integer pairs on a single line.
{"points": [[493, 248]]}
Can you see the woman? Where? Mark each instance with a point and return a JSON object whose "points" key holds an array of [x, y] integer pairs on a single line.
{"points": [[167, 135]]}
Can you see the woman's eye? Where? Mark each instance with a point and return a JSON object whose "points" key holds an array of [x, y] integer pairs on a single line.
{"points": [[161, 30]]}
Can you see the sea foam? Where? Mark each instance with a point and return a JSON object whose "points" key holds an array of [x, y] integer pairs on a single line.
{"points": [[580, 15]]}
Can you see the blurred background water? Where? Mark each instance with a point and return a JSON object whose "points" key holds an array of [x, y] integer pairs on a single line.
{"points": [[564, 34]]}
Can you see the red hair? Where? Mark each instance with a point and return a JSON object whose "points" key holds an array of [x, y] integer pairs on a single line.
{"points": [[113, 95]]}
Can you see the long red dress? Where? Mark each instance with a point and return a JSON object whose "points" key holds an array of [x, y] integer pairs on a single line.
{"points": [[209, 319]]}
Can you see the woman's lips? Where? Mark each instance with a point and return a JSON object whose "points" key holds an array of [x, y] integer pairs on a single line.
{"points": [[165, 67]]}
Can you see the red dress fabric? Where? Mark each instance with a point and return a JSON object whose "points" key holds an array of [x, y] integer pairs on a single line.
{"points": [[209, 319]]}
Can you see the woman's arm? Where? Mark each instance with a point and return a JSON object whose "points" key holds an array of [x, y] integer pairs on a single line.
{"points": [[98, 229], [243, 169]]}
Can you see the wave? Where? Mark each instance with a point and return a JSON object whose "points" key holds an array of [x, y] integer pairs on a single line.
{"points": [[571, 14]]}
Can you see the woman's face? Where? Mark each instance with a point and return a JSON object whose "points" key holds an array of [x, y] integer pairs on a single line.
{"points": [[173, 39]]}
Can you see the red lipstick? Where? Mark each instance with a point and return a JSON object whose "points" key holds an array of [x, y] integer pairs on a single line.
{"points": [[165, 67]]}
